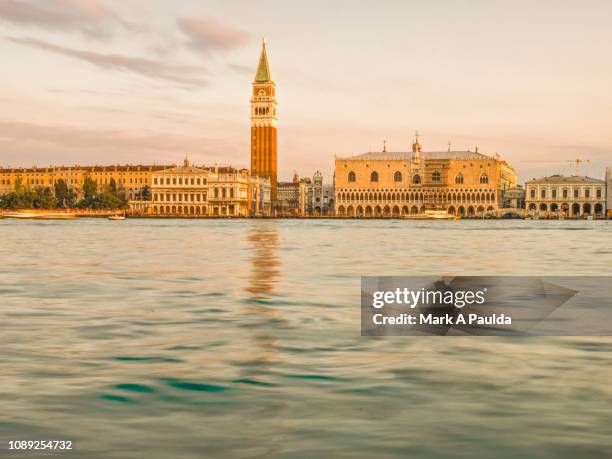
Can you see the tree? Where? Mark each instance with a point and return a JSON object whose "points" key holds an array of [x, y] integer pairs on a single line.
{"points": [[145, 193], [44, 199], [24, 199], [92, 199], [106, 200], [90, 188], [21, 198], [65, 197], [90, 191], [4, 201]]}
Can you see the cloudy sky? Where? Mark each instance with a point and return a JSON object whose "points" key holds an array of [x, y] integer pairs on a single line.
{"points": [[147, 81]]}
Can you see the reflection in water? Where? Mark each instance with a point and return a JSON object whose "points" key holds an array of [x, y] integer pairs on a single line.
{"points": [[265, 262], [265, 271], [243, 340]]}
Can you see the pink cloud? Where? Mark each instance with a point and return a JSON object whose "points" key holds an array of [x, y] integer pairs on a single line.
{"points": [[208, 35], [88, 17], [185, 76]]}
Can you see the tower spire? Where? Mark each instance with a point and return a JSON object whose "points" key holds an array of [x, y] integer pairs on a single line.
{"points": [[263, 69], [263, 123], [416, 146]]}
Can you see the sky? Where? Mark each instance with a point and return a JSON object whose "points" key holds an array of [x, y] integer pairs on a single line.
{"points": [[91, 82]]}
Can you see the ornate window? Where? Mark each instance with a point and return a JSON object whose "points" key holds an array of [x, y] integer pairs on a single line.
{"points": [[352, 177], [374, 177], [459, 179], [435, 177], [397, 177], [416, 179], [484, 179]]}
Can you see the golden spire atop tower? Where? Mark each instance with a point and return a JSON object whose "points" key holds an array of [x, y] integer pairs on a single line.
{"points": [[264, 122]]}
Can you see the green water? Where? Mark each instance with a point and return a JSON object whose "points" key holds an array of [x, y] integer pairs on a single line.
{"points": [[241, 339]]}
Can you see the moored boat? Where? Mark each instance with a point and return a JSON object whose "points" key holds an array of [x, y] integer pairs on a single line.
{"points": [[432, 215], [39, 215]]}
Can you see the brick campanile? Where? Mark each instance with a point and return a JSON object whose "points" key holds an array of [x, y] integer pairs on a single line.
{"points": [[263, 123]]}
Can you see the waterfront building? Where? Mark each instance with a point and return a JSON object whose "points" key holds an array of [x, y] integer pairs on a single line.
{"points": [[205, 191], [229, 192], [260, 197], [609, 190], [264, 119], [317, 193], [305, 196], [322, 196], [329, 199], [176, 190], [310, 196], [513, 198], [572, 196], [288, 198], [128, 179], [393, 184]]}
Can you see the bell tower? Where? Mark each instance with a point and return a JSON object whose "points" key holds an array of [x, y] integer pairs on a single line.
{"points": [[263, 123]]}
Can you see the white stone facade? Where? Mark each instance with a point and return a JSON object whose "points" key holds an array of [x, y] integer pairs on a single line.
{"points": [[562, 196], [201, 191]]}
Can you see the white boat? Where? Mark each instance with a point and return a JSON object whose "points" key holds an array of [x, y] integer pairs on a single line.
{"points": [[116, 217], [39, 215], [432, 215]]}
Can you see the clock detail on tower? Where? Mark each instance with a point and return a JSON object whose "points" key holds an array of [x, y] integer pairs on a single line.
{"points": [[263, 123]]}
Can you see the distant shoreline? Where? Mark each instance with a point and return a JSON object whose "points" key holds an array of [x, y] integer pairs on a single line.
{"points": [[73, 214]]}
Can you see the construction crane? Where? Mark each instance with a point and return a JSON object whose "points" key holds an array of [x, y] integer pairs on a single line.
{"points": [[576, 161]]}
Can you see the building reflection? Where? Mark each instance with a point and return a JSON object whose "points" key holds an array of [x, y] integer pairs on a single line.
{"points": [[265, 263], [266, 321]]}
